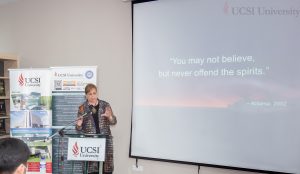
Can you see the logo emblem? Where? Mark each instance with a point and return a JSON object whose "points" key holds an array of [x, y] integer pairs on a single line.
{"points": [[75, 149], [89, 74], [21, 80], [226, 8]]}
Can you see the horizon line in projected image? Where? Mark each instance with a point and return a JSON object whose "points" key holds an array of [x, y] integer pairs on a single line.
{"points": [[217, 96], [218, 102]]}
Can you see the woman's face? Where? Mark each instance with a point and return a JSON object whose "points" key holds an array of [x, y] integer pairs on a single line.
{"points": [[91, 96]]}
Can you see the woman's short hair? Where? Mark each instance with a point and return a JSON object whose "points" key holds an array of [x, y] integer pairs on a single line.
{"points": [[13, 152], [89, 87]]}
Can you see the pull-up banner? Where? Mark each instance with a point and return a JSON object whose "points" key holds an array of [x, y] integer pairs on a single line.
{"points": [[68, 84], [31, 114]]}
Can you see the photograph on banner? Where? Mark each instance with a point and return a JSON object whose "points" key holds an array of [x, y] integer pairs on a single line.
{"points": [[19, 119], [40, 118], [31, 119], [73, 78], [30, 132], [40, 160], [30, 102]]}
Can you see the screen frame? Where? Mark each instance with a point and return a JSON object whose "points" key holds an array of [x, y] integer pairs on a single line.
{"points": [[169, 160]]}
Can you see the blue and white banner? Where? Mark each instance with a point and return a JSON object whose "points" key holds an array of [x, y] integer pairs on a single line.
{"points": [[68, 84]]}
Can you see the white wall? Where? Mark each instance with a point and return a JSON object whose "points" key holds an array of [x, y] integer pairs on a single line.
{"points": [[85, 32]]}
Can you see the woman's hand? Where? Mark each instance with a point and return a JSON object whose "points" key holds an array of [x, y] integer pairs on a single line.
{"points": [[108, 113], [79, 121]]}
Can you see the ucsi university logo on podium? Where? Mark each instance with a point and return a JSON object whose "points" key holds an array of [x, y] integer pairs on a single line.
{"points": [[75, 149], [86, 149]]}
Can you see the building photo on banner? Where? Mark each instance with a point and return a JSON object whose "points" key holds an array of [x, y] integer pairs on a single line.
{"points": [[36, 102]]}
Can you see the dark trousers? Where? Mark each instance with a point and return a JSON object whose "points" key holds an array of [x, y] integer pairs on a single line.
{"points": [[102, 171]]}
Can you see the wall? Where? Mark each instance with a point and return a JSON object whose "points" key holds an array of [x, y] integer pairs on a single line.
{"points": [[49, 33]]}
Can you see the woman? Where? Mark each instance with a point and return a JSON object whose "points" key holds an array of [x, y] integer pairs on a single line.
{"points": [[99, 119]]}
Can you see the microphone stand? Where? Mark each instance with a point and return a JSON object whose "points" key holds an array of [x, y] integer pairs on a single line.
{"points": [[61, 131]]}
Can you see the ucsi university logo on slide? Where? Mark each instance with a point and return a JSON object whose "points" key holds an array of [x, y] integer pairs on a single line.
{"points": [[29, 82], [238, 8]]}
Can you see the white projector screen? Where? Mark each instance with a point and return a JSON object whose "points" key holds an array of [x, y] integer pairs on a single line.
{"points": [[217, 82]]}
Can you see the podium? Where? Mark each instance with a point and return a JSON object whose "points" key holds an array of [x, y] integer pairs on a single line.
{"points": [[74, 151]]}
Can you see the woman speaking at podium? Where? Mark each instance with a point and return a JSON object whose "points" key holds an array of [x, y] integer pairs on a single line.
{"points": [[97, 120]]}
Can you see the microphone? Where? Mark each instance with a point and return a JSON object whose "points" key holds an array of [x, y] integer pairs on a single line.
{"points": [[84, 115], [92, 109]]}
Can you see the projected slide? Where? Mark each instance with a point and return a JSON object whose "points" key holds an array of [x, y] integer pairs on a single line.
{"points": [[217, 82]]}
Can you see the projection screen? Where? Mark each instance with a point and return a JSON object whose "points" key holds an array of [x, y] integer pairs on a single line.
{"points": [[217, 82]]}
